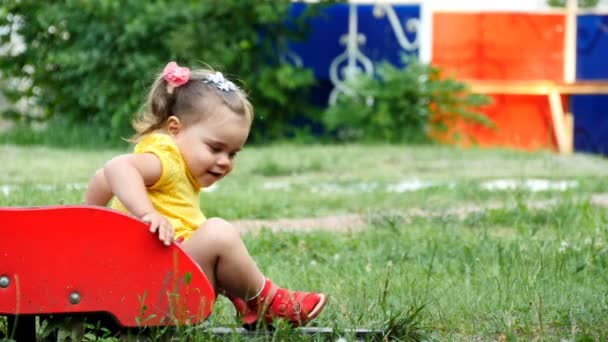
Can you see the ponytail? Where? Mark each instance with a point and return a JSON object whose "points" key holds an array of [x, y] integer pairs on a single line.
{"points": [[159, 108]]}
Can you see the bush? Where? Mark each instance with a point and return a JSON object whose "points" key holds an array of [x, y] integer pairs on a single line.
{"points": [[402, 105], [91, 61], [581, 3]]}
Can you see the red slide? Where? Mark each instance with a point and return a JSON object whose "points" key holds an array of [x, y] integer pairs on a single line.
{"points": [[85, 259]]}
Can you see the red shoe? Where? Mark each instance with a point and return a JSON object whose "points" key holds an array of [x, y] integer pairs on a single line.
{"points": [[298, 308]]}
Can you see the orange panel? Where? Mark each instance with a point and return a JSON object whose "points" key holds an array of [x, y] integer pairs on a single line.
{"points": [[500, 46], [504, 46], [521, 121]]}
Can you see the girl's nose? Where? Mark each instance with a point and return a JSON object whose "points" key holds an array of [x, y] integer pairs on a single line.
{"points": [[223, 160]]}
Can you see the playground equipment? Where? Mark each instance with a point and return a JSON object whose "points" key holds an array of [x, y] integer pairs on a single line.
{"points": [[88, 260], [93, 262], [542, 67]]}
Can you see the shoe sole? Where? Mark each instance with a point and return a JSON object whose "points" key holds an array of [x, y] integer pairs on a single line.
{"points": [[318, 308]]}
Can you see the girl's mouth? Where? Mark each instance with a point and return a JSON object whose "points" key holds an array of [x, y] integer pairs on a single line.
{"points": [[215, 174]]}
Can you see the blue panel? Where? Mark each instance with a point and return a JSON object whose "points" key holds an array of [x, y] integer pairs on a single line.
{"points": [[590, 123], [592, 47], [323, 43], [591, 111]]}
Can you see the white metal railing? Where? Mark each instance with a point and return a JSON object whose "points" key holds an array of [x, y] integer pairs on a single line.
{"points": [[352, 61]]}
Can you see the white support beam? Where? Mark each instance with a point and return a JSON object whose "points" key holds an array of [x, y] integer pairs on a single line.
{"points": [[570, 41], [425, 33]]}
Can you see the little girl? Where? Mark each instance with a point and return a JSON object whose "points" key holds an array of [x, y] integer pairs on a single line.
{"points": [[194, 125]]}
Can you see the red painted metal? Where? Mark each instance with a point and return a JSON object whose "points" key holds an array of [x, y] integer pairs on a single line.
{"points": [[103, 260]]}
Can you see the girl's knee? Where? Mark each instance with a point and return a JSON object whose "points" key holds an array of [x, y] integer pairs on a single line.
{"points": [[220, 229]]}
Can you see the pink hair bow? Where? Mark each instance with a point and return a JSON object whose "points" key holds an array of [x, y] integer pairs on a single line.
{"points": [[175, 76]]}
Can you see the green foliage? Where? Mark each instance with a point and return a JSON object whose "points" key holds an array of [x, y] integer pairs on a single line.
{"points": [[60, 133], [92, 61], [581, 3], [401, 105], [3, 326]]}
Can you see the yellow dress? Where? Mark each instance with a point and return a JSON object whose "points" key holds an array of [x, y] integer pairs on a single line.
{"points": [[176, 194]]}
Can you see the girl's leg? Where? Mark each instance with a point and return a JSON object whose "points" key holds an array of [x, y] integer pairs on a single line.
{"points": [[217, 247]]}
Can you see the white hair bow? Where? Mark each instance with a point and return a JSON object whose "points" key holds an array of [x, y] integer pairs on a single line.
{"points": [[220, 82]]}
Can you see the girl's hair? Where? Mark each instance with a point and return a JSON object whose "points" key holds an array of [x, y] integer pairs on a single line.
{"points": [[196, 99]]}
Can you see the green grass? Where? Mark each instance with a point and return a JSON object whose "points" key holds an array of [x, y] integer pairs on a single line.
{"points": [[308, 171], [508, 273], [500, 272]]}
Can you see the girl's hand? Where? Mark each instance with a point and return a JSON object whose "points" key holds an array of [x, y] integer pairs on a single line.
{"points": [[160, 223]]}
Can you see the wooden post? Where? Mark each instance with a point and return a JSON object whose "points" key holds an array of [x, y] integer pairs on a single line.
{"points": [[560, 123], [569, 75]]}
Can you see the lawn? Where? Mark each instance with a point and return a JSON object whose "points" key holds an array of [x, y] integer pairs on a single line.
{"points": [[506, 245]]}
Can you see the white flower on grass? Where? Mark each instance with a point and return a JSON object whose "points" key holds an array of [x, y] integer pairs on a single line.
{"points": [[46, 187], [76, 186], [588, 241], [5, 189], [534, 185], [564, 246], [313, 263], [408, 186], [276, 185]]}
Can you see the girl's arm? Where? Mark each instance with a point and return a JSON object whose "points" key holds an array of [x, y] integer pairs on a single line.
{"points": [[98, 191], [127, 177]]}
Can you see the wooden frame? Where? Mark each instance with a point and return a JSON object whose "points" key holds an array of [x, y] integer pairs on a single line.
{"points": [[562, 118]]}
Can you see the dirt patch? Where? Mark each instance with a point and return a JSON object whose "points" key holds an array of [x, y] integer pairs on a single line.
{"points": [[340, 223], [351, 222]]}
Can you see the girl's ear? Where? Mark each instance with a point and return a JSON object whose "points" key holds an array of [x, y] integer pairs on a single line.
{"points": [[174, 125]]}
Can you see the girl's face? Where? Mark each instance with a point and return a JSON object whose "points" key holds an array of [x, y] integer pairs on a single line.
{"points": [[210, 146]]}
